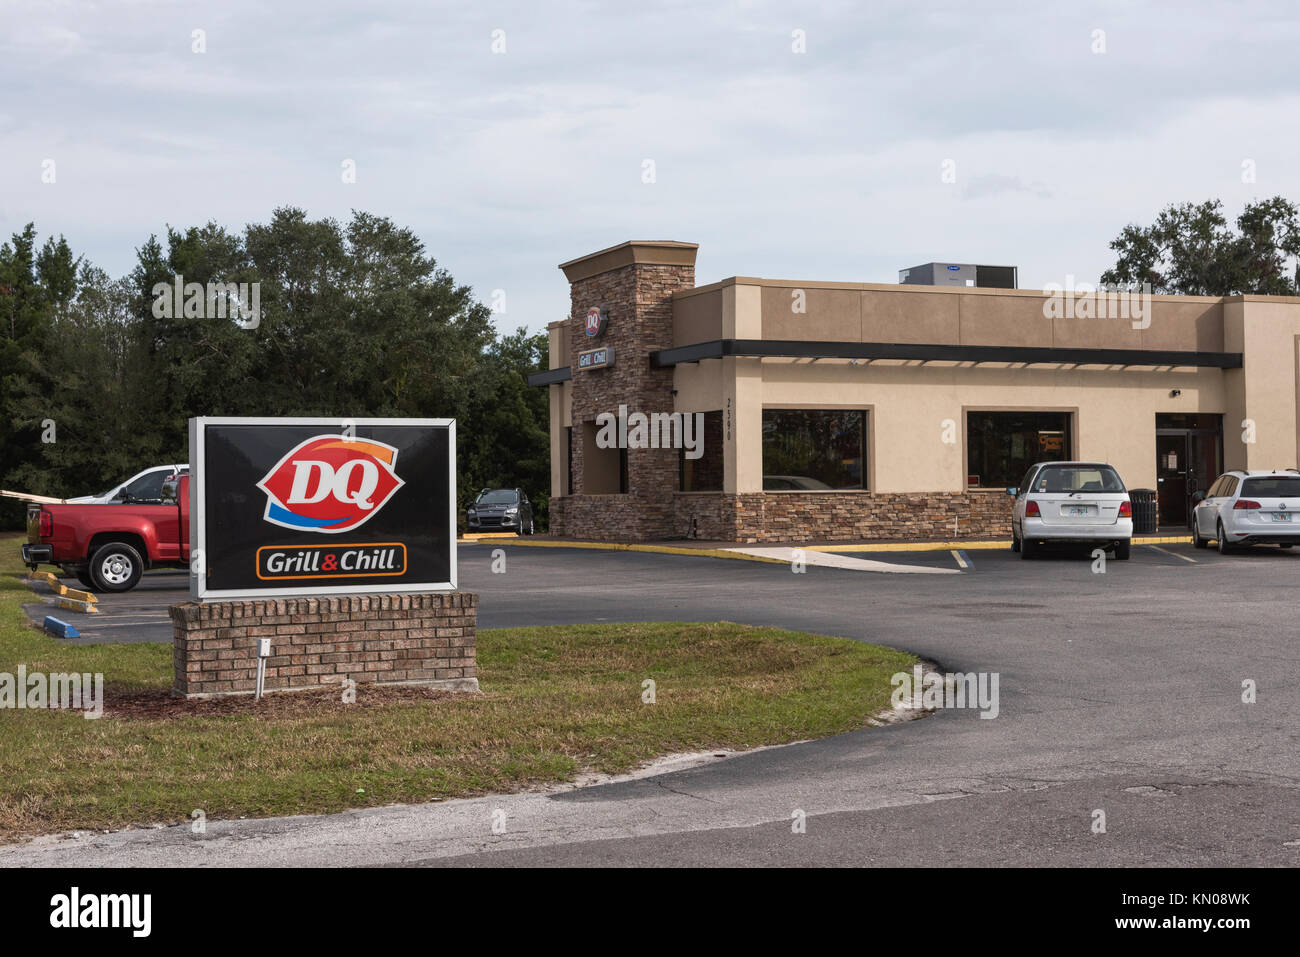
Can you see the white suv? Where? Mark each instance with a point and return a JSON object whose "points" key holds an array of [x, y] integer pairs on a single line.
{"points": [[1249, 507], [1071, 502]]}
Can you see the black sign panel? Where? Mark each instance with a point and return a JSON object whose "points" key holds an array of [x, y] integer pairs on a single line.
{"points": [[596, 358], [322, 506]]}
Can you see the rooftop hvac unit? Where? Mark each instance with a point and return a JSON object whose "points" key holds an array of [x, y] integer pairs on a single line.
{"points": [[959, 274]]}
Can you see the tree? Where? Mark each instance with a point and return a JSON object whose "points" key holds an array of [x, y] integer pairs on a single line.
{"points": [[354, 320], [504, 438], [35, 288], [1190, 250]]}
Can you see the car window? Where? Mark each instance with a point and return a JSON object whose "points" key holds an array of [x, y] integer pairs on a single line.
{"points": [[1274, 486], [497, 496], [1029, 477], [1217, 488], [148, 488], [1077, 478], [1230, 487]]}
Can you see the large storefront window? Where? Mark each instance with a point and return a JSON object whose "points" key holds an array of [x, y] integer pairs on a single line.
{"points": [[704, 473], [1000, 446], [814, 450]]}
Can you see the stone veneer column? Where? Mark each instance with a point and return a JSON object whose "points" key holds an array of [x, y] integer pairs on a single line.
{"points": [[635, 283]]}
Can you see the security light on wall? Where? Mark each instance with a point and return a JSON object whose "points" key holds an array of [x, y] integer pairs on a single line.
{"points": [[1175, 393]]}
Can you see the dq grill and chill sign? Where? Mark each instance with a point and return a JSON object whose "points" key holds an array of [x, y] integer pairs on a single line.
{"points": [[320, 506]]}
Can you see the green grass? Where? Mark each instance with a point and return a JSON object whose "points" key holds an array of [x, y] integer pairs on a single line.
{"points": [[557, 701]]}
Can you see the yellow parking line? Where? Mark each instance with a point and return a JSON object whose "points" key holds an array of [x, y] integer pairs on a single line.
{"points": [[1166, 551], [966, 546], [624, 547], [961, 562]]}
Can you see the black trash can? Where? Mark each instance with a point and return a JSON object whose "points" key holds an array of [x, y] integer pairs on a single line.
{"points": [[1144, 510]]}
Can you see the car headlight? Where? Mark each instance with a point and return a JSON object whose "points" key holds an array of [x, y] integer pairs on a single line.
{"points": [[512, 511], [471, 511]]}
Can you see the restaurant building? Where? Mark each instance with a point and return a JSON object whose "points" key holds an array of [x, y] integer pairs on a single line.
{"points": [[842, 410]]}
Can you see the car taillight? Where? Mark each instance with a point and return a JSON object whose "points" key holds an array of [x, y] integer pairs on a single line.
{"points": [[1245, 503], [1125, 509], [1031, 509], [47, 525]]}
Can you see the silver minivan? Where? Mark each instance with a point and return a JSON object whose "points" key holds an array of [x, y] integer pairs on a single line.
{"points": [[1071, 502]]}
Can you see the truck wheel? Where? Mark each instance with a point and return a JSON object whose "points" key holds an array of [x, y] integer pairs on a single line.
{"points": [[116, 567]]}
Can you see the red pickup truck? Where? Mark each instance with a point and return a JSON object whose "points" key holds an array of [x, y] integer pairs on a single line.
{"points": [[108, 547]]}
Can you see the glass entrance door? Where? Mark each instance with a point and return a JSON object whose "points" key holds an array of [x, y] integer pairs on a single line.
{"points": [[1189, 457], [1171, 479]]}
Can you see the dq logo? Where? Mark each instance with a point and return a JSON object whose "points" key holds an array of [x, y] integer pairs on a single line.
{"points": [[596, 319], [330, 483]]}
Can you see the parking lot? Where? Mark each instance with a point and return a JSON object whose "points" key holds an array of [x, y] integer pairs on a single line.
{"points": [[1120, 691], [141, 614]]}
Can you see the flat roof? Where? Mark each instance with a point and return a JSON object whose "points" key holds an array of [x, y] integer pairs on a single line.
{"points": [[917, 290]]}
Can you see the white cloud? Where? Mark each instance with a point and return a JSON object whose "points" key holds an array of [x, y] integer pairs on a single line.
{"points": [[822, 165]]}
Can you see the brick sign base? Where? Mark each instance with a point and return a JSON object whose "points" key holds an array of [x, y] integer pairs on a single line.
{"points": [[390, 639]]}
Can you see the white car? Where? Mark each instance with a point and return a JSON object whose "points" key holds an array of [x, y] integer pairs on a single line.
{"points": [[1071, 502], [1249, 507], [145, 486]]}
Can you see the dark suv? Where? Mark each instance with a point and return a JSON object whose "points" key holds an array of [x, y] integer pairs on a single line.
{"points": [[507, 509]]}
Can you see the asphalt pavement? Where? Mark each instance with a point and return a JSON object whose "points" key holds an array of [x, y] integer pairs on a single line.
{"points": [[1121, 737]]}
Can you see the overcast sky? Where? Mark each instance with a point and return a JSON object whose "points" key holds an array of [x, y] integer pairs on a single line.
{"points": [[822, 165]]}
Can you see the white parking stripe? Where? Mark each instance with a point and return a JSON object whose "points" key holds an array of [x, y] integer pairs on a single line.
{"points": [[830, 560], [961, 559]]}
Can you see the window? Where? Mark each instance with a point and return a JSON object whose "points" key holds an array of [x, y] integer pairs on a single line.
{"points": [[1279, 486], [704, 473], [147, 488], [1001, 445], [568, 460], [498, 496], [604, 470], [814, 450], [1077, 478]]}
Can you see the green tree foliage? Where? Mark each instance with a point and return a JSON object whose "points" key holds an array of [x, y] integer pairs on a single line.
{"points": [[36, 289], [1191, 250], [355, 320]]}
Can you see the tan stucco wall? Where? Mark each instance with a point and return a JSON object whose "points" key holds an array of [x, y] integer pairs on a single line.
{"points": [[977, 317], [698, 317], [1114, 422], [560, 403], [1266, 330]]}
